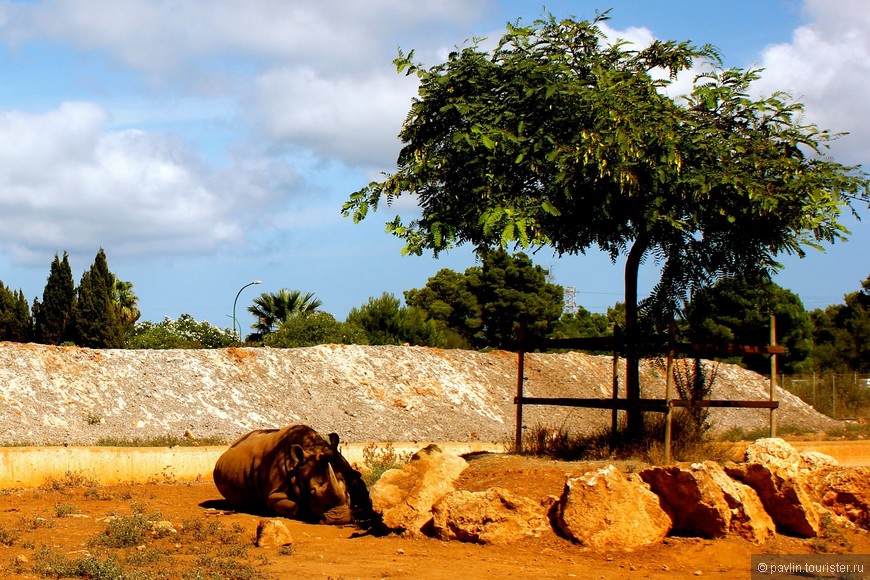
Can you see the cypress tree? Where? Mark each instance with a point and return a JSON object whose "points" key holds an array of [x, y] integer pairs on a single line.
{"points": [[55, 312], [96, 319], [15, 322]]}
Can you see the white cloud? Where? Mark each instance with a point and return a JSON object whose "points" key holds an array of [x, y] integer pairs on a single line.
{"points": [[355, 120], [827, 67], [65, 183], [159, 35]]}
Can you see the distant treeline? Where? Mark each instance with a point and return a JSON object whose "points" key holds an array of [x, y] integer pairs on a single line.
{"points": [[487, 306]]}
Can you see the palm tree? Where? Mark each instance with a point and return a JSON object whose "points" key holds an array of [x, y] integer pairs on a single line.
{"points": [[272, 309], [126, 303]]}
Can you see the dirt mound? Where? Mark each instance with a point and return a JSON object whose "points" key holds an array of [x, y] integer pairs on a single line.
{"points": [[69, 395]]}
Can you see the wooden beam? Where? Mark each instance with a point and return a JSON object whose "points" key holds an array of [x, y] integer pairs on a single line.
{"points": [[726, 403], [652, 405]]}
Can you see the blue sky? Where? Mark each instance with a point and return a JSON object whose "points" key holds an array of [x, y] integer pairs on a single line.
{"points": [[206, 145]]}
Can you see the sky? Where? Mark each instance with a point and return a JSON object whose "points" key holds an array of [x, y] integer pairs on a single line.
{"points": [[207, 145]]}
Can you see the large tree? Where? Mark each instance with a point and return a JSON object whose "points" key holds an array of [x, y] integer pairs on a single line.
{"points": [[96, 319], [841, 333], [15, 320], [55, 313], [489, 304], [738, 310], [386, 321], [559, 138]]}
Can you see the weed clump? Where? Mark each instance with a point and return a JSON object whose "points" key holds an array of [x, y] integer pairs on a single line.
{"points": [[379, 459]]}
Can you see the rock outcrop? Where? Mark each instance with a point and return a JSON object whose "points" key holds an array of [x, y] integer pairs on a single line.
{"points": [[404, 497], [494, 516], [846, 493], [778, 474], [606, 509], [703, 501], [775, 490]]}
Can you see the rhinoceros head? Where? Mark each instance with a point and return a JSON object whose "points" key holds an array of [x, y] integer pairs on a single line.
{"points": [[323, 487]]}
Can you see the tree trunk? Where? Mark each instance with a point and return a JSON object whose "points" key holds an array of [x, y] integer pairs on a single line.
{"points": [[632, 358]]}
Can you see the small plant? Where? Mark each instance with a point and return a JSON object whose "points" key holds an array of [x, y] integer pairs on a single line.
{"points": [[93, 419], [377, 460], [286, 550], [831, 538], [8, 537], [159, 441], [62, 510], [30, 523], [70, 480], [126, 531], [53, 564], [211, 567]]}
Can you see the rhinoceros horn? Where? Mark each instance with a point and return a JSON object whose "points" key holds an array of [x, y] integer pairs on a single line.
{"points": [[334, 484]]}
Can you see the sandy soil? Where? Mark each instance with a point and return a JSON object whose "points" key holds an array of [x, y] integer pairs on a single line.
{"points": [[65, 521]]}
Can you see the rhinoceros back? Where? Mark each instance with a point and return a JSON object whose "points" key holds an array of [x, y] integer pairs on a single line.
{"points": [[252, 468]]}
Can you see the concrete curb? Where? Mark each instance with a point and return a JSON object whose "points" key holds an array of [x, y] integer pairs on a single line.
{"points": [[32, 466]]}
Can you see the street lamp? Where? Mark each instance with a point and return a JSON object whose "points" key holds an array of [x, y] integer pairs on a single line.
{"points": [[235, 322]]}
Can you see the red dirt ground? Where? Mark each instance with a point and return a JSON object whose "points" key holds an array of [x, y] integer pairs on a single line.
{"points": [[62, 525]]}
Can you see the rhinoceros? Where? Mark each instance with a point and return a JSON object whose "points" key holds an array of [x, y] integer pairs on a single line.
{"points": [[295, 473]]}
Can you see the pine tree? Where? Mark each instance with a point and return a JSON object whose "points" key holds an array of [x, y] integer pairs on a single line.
{"points": [[54, 314], [96, 319]]}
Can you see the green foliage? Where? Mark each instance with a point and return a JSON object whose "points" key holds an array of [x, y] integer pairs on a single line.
{"points": [[737, 310], [54, 314], [183, 332], [126, 303], [582, 323], [51, 563], [514, 298], [489, 304], [841, 334], [15, 321], [126, 531], [274, 309], [386, 321], [95, 316], [158, 441], [314, 328], [557, 137], [449, 301], [378, 459]]}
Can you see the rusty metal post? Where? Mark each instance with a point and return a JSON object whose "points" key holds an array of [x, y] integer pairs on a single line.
{"points": [[518, 442], [772, 375]]}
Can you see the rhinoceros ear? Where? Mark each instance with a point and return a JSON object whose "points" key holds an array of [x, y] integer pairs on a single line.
{"points": [[333, 441], [297, 453]]}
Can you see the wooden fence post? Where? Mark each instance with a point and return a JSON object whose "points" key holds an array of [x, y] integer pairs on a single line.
{"points": [[518, 441], [772, 375], [614, 412], [669, 383]]}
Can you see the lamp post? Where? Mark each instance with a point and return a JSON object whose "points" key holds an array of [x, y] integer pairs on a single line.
{"points": [[236, 327]]}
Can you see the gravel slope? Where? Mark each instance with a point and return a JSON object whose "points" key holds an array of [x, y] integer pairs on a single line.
{"points": [[69, 395]]}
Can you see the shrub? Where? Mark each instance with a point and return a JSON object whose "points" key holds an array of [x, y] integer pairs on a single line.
{"points": [[377, 460]]}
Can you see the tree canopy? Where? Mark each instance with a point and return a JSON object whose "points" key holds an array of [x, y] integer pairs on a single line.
{"points": [[95, 314], [738, 310], [489, 304], [560, 138], [841, 333], [55, 313]]}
